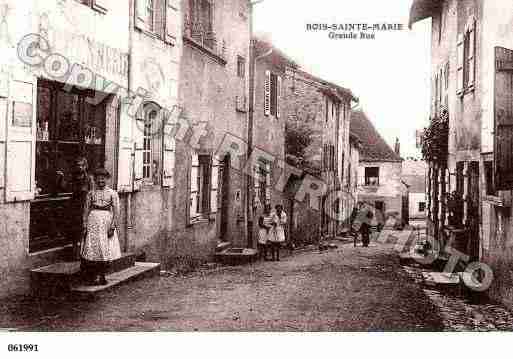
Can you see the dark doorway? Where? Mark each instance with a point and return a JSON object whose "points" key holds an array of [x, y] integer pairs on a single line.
{"points": [[225, 196], [473, 215]]}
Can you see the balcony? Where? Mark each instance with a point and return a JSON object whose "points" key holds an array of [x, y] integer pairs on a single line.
{"points": [[203, 38]]}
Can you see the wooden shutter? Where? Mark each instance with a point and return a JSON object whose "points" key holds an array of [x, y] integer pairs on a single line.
{"points": [[125, 151], [214, 185], [138, 136], [21, 141], [140, 15], [100, 5], [3, 124], [471, 52], [194, 186], [173, 21], [268, 183], [159, 14], [461, 60], [169, 157], [503, 119], [278, 97], [267, 94]]}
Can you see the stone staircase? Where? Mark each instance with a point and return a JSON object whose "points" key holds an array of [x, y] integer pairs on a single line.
{"points": [[65, 277]]}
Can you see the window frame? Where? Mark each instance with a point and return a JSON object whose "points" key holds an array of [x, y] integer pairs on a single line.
{"points": [[367, 177], [204, 187], [422, 207], [274, 94]]}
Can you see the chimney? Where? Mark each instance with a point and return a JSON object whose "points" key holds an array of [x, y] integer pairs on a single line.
{"points": [[397, 147]]}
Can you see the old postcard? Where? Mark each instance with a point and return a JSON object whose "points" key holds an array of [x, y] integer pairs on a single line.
{"points": [[255, 166]]}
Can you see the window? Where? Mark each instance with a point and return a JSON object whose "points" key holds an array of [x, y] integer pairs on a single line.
{"points": [[147, 144], [149, 154], [201, 16], [422, 206], [372, 176], [155, 18], [241, 67], [67, 127], [203, 187]]}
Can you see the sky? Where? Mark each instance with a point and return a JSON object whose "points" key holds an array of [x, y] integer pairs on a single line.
{"points": [[390, 74]]}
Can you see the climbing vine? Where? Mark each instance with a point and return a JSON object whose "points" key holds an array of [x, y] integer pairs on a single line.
{"points": [[435, 142]]}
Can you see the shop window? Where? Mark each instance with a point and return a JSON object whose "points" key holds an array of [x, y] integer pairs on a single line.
{"points": [[372, 176], [68, 128]]}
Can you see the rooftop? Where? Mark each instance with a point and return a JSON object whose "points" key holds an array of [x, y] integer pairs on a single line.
{"points": [[373, 147]]}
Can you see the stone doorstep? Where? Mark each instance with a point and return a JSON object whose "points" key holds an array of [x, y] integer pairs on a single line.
{"points": [[114, 279], [72, 269]]}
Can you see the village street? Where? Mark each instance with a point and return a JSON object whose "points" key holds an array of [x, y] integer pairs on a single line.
{"points": [[353, 289], [343, 289]]}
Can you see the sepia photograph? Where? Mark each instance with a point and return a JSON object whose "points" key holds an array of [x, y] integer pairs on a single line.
{"points": [[267, 167]]}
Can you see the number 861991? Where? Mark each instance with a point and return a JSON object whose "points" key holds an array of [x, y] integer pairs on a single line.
{"points": [[22, 348]]}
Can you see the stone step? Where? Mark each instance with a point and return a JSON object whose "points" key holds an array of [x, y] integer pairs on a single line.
{"points": [[60, 276], [137, 271]]}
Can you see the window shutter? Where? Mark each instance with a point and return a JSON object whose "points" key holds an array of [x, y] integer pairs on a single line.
{"points": [[267, 95], [21, 144], [194, 186], [214, 185], [138, 136], [169, 157], [3, 124], [100, 5], [278, 98], [460, 54], [503, 119], [172, 21], [140, 15], [268, 183], [471, 53], [126, 148]]}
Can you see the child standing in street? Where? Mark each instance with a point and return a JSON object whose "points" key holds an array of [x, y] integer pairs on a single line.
{"points": [[263, 234]]}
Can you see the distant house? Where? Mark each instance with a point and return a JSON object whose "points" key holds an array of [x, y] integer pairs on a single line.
{"points": [[414, 177], [379, 171]]}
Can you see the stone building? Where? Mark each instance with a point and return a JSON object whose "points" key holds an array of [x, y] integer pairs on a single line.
{"points": [[379, 171], [268, 133], [210, 203], [91, 83], [472, 52], [320, 110]]}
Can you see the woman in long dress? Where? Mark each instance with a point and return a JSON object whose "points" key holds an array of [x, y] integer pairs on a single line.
{"points": [[279, 220], [101, 244]]}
